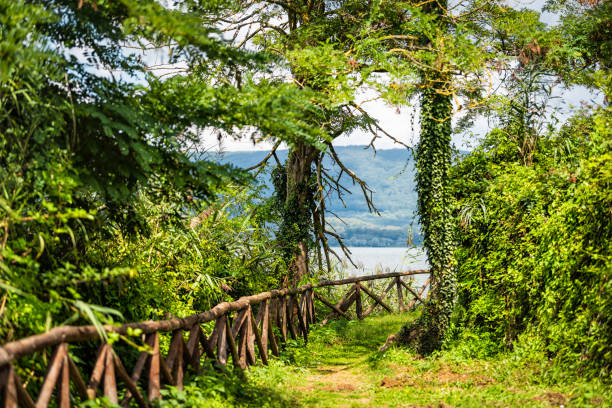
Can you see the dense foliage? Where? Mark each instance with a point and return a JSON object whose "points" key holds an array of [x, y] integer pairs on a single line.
{"points": [[97, 175], [533, 203], [535, 242]]}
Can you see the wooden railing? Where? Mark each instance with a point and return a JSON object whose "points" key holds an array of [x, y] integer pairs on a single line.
{"points": [[238, 336]]}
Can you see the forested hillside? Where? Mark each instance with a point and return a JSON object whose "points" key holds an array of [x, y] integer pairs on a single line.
{"points": [[390, 175]]}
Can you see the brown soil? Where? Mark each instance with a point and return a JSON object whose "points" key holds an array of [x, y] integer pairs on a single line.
{"points": [[554, 398], [444, 376], [333, 378]]}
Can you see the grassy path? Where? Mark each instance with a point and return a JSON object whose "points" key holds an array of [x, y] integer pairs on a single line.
{"points": [[341, 367]]}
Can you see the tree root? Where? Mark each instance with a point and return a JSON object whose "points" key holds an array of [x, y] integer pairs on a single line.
{"points": [[411, 335], [391, 340]]}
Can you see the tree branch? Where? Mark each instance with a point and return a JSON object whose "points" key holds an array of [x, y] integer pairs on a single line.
{"points": [[265, 160], [367, 192]]}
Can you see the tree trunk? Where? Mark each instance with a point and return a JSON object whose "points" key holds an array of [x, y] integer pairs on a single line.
{"points": [[295, 230], [433, 159]]}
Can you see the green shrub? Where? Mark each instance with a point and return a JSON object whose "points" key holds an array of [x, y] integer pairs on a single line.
{"points": [[535, 249]]}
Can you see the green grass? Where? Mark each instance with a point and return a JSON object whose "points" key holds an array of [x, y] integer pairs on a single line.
{"points": [[341, 367]]}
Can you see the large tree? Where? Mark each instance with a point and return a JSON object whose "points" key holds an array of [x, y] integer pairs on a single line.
{"points": [[433, 162], [322, 50], [443, 54]]}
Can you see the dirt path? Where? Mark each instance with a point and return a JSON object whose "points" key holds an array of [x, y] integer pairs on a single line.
{"points": [[339, 383]]}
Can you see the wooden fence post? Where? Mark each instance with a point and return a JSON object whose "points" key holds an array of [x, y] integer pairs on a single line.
{"points": [[282, 317], [301, 321], [154, 380], [110, 381], [250, 344], [232, 346], [129, 383], [344, 303], [291, 304], [263, 351], [409, 289], [413, 301], [332, 306], [400, 295], [52, 376], [7, 380], [222, 342], [358, 307], [64, 384], [75, 375], [377, 300], [193, 348]]}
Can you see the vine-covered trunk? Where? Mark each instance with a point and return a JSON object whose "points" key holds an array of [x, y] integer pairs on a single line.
{"points": [[433, 165], [433, 161], [296, 226]]}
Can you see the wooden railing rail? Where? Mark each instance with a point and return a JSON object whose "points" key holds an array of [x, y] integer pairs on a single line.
{"points": [[243, 337]]}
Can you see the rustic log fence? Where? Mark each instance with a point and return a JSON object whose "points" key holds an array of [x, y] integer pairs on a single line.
{"points": [[243, 337]]}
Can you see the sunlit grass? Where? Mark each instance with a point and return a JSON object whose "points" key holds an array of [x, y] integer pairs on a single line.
{"points": [[342, 367]]}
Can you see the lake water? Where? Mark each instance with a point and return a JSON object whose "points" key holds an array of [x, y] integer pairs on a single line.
{"points": [[372, 260]]}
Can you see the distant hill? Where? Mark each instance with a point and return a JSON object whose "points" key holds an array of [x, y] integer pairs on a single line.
{"points": [[389, 173]]}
